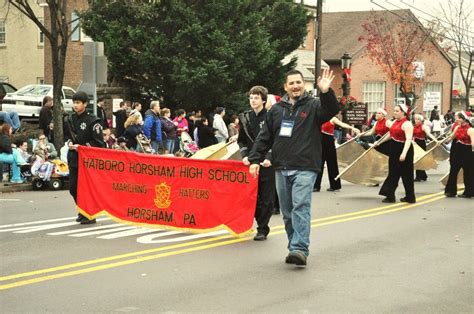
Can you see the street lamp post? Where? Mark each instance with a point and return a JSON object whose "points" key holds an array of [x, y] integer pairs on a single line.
{"points": [[346, 71], [346, 86]]}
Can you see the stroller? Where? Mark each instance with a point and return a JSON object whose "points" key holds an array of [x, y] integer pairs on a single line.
{"points": [[53, 174], [143, 144], [187, 145]]}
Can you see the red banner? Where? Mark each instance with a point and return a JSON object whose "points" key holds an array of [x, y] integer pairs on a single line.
{"points": [[150, 190]]}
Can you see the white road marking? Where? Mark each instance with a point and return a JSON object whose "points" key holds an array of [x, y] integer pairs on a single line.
{"points": [[159, 235], [83, 230], [128, 233], [107, 232], [36, 222], [85, 234], [44, 227], [151, 238]]}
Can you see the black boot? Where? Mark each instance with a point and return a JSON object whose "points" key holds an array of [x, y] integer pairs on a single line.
{"points": [[80, 217]]}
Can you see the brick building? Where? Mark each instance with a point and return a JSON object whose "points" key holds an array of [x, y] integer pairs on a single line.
{"points": [[340, 33]]}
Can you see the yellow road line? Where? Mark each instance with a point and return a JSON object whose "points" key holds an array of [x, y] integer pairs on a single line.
{"points": [[166, 254], [381, 212], [376, 209], [111, 258], [177, 246]]}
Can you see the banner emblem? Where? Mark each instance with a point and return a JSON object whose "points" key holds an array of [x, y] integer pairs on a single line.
{"points": [[163, 193]]}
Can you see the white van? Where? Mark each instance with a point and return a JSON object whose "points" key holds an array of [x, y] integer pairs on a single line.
{"points": [[27, 101]]}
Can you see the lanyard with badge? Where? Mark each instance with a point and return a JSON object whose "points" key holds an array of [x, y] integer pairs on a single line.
{"points": [[286, 128]]}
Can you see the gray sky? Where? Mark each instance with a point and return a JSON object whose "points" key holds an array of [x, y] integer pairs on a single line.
{"points": [[365, 5]]}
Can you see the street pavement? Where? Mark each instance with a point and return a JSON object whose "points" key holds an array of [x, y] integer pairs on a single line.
{"points": [[366, 256]]}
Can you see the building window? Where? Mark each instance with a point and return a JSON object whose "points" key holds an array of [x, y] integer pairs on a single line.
{"points": [[399, 96], [75, 28], [432, 96], [374, 95], [41, 35], [40, 80], [433, 87], [3, 33], [398, 93]]}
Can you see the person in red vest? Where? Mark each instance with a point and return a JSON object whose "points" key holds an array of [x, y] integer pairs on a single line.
{"points": [[379, 130], [329, 155], [400, 159], [420, 132], [462, 156]]}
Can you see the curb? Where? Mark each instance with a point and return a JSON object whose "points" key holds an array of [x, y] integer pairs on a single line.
{"points": [[6, 187]]}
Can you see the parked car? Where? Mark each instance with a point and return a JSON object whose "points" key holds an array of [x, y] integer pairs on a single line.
{"points": [[27, 101], [5, 88]]}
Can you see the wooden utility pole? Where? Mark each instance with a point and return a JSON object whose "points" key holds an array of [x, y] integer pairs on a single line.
{"points": [[318, 22]]}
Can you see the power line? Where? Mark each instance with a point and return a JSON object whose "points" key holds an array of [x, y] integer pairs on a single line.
{"points": [[430, 15], [440, 34], [404, 19]]}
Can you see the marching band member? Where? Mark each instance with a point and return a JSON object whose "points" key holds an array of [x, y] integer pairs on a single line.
{"points": [[400, 162], [461, 156], [420, 132], [329, 154], [379, 130]]}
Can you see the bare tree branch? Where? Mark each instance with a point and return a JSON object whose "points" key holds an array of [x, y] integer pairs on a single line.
{"points": [[57, 33]]}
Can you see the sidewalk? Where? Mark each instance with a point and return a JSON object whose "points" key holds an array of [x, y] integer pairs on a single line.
{"points": [[7, 187]]}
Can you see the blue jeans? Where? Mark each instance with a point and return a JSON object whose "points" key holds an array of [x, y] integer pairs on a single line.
{"points": [[155, 145], [11, 118], [14, 160], [295, 189], [169, 145], [338, 135]]}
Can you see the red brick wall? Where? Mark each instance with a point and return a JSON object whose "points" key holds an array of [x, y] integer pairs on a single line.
{"points": [[310, 36], [437, 70]]}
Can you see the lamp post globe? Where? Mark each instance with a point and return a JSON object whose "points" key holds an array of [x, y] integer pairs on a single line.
{"points": [[346, 65], [346, 60]]}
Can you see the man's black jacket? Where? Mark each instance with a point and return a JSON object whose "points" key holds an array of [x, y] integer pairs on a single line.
{"points": [[301, 151]]}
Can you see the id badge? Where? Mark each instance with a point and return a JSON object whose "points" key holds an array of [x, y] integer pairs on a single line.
{"points": [[286, 128]]}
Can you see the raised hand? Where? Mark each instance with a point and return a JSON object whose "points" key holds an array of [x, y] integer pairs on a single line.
{"points": [[324, 81]]}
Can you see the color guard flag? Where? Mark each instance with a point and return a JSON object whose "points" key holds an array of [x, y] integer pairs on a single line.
{"points": [[348, 152], [221, 151], [440, 153], [371, 167], [423, 160], [151, 190]]}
